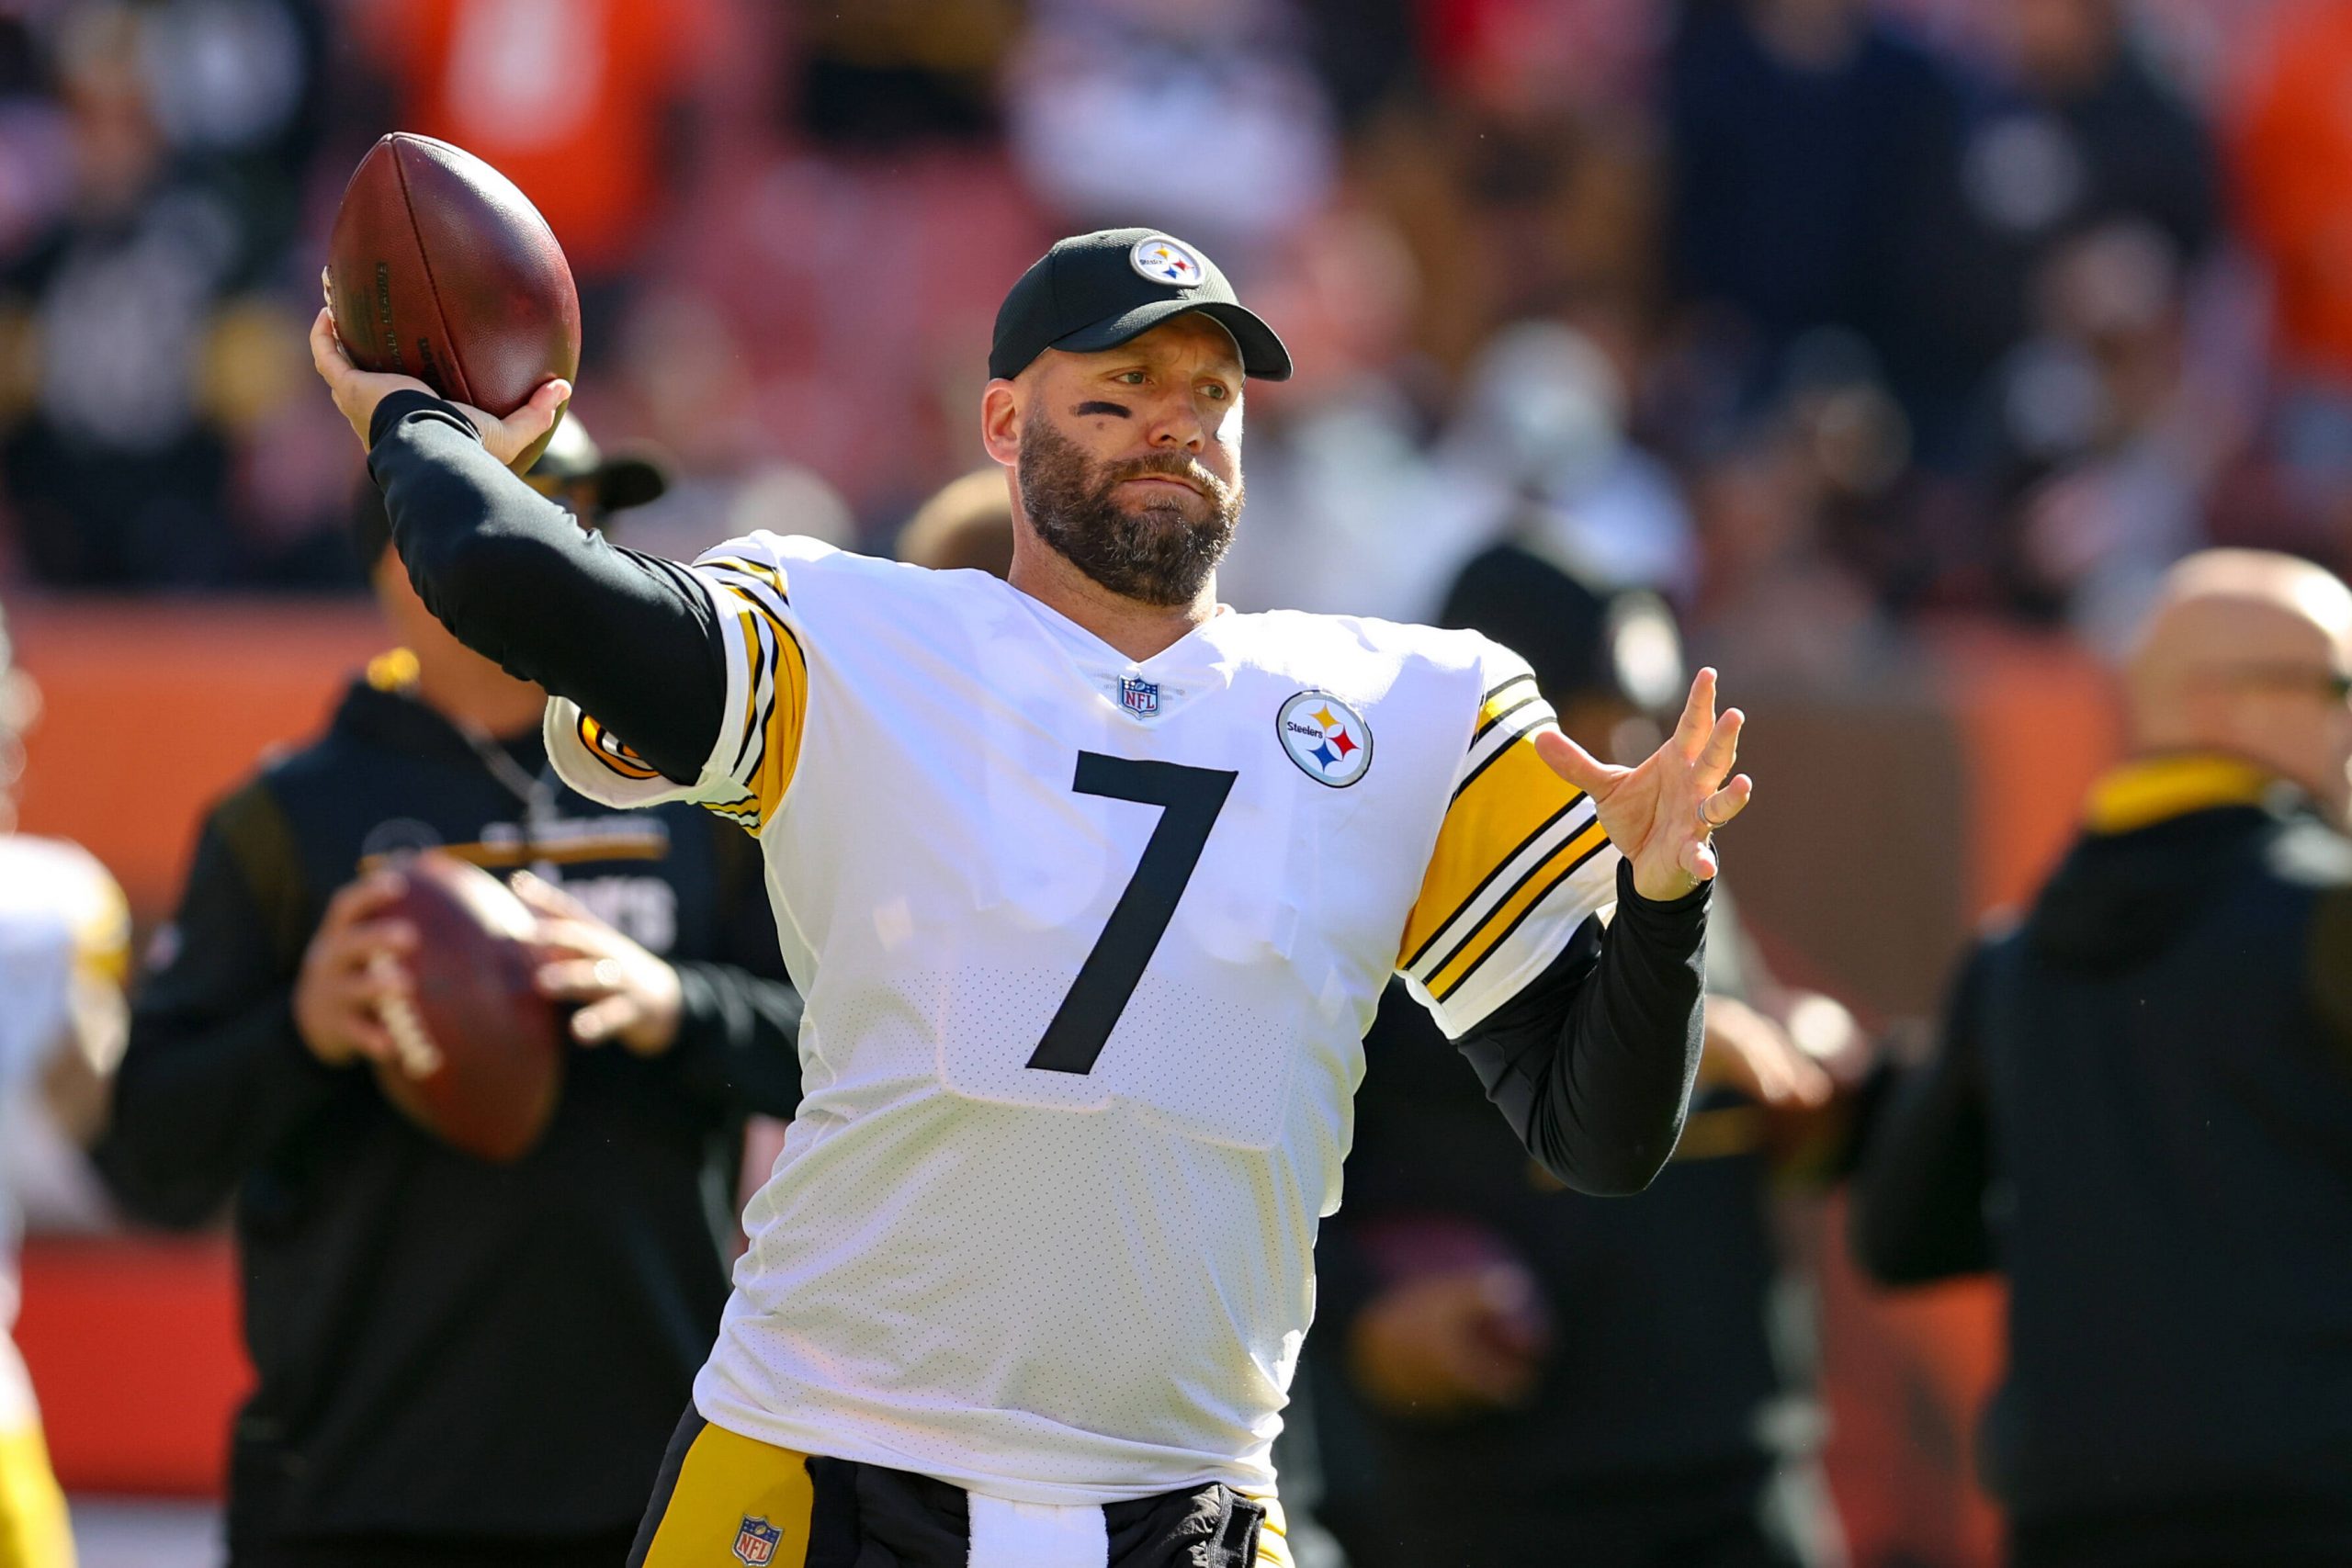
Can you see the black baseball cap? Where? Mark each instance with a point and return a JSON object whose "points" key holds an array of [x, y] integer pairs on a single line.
{"points": [[624, 477], [1580, 638], [1095, 291]]}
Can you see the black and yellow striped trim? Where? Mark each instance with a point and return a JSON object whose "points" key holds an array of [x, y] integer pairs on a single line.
{"points": [[1516, 800], [777, 689], [614, 752], [1512, 910]]}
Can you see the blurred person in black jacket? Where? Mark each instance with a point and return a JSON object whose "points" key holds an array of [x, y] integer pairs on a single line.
{"points": [[458, 1361], [2141, 1113], [1544, 1377]]}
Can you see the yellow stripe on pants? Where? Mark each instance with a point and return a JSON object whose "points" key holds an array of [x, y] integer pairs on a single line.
{"points": [[726, 1482], [33, 1532], [1273, 1548], [729, 1481]]}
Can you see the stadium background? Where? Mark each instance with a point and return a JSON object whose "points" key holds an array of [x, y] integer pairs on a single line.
{"points": [[1899, 345]]}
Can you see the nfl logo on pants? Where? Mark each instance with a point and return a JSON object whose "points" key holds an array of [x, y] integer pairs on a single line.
{"points": [[756, 1541]]}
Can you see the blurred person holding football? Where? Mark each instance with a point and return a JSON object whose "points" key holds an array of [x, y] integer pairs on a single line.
{"points": [[459, 1361]]}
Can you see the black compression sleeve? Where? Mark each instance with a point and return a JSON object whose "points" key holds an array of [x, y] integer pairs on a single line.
{"points": [[631, 638], [1592, 1063]]}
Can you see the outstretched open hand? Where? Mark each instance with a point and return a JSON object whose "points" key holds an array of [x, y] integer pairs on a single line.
{"points": [[1661, 814]]}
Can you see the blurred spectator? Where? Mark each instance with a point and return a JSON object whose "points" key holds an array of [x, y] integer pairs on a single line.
{"points": [[2091, 133], [2077, 132], [968, 526], [1366, 50], [1098, 89], [1812, 146], [1512, 202], [1779, 604], [2292, 164], [1523, 56], [1339, 472], [185, 123], [64, 937], [1538, 443], [587, 105], [1623, 1384], [883, 73], [2116, 448], [2140, 1107]]}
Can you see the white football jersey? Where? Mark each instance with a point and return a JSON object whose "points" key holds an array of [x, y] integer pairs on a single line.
{"points": [[62, 923], [1089, 948]]}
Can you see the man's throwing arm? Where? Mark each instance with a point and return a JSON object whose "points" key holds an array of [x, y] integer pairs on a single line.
{"points": [[631, 638]]}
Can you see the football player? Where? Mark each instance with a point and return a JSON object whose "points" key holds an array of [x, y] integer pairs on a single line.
{"points": [[65, 935], [1094, 885]]}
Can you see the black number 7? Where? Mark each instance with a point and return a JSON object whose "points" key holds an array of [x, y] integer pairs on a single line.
{"points": [[1190, 799]]}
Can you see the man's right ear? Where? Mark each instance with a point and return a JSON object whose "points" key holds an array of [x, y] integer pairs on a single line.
{"points": [[1001, 422]]}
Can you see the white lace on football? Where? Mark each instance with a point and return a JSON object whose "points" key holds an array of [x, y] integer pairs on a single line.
{"points": [[419, 1057]]}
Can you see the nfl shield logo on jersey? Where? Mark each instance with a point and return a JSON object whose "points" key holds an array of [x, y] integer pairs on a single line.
{"points": [[1139, 696], [756, 1541]]}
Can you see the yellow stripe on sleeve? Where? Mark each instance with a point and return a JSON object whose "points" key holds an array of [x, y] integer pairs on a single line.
{"points": [[767, 774], [1498, 813], [780, 750], [1505, 917]]}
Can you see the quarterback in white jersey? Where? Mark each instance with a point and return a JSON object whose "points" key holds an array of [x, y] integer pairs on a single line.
{"points": [[1092, 888]]}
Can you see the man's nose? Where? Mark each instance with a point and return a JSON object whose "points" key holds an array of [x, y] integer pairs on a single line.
{"points": [[1180, 428]]}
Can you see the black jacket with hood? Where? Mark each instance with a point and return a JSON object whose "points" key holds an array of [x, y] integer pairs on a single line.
{"points": [[2141, 1113], [447, 1347]]}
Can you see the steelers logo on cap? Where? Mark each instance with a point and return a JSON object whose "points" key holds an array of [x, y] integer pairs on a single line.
{"points": [[1164, 260], [1327, 739]]}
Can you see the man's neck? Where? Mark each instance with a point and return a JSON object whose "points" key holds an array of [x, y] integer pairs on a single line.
{"points": [[1134, 628]]}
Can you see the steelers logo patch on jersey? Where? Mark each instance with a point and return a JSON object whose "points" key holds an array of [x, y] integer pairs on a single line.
{"points": [[613, 751], [1327, 739], [1163, 260]]}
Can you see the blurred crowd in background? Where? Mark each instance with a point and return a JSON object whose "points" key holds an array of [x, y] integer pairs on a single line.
{"points": [[1818, 316]]}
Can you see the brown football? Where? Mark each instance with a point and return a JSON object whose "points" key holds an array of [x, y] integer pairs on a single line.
{"points": [[439, 268], [478, 1052]]}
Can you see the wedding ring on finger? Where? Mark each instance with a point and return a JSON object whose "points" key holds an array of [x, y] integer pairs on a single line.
{"points": [[1706, 823]]}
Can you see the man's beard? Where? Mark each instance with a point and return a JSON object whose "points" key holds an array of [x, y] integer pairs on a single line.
{"points": [[1158, 552]]}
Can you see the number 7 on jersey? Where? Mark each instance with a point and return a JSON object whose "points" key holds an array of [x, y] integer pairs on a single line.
{"points": [[1189, 800]]}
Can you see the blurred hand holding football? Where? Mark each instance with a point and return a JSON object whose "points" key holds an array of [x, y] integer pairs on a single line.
{"points": [[624, 992], [1452, 1342], [355, 959], [450, 984]]}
